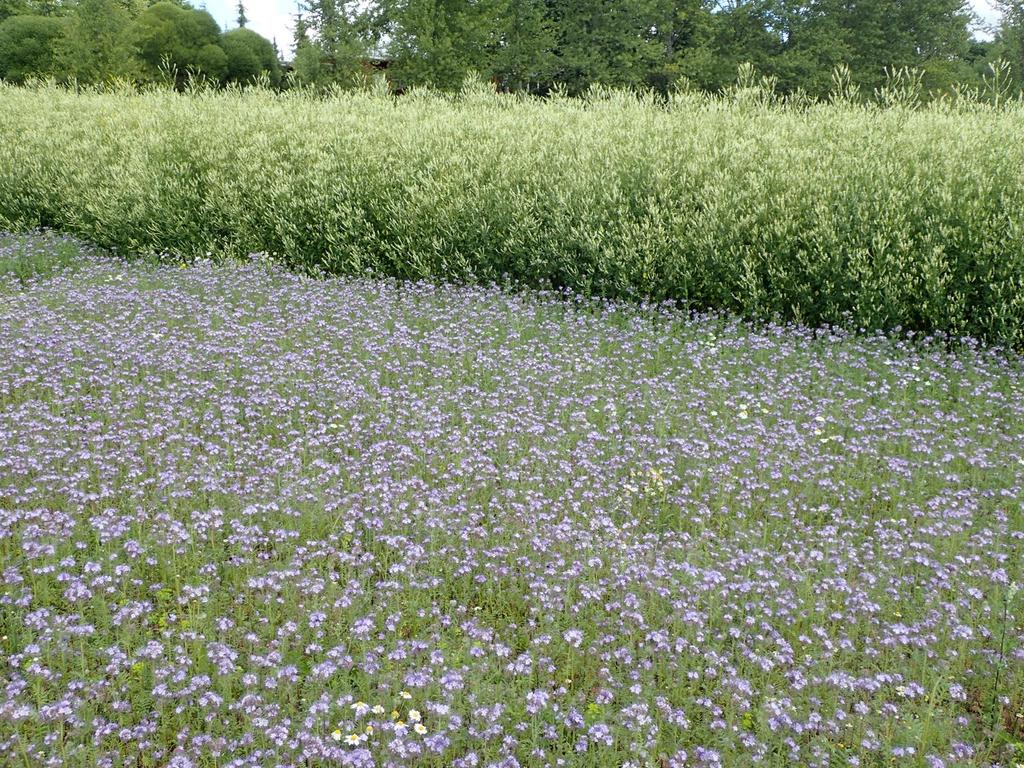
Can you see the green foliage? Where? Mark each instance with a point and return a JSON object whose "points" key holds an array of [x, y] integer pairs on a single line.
{"points": [[683, 29], [571, 45], [35, 7], [1010, 40], [911, 33], [95, 47], [308, 66], [440, 42], [33, 257], [210, 62], [845, 213], [607, 43], [250, 56], [521, 53], [103, 40], [801, 43], [336, 53], [28, 46], [168, 35], [10, 8], [537, 46]]}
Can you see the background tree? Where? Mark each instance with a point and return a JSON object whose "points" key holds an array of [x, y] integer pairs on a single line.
{"points": [[28, 46], [742, 32], [439, 42], [250, 55], [810, 41], [682, 29], [35, 8], [306, 69], [95, 47], [336, 42], [532, 45], [1009, 42], [888, 34], [800, 42], [10, 8], [307, 66], [614, 44], [520, 56], [184, 38]]}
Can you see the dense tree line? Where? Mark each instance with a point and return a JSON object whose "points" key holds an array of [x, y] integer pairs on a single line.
{"points": [[1011, 35], [540, 45], [94, 41], [525, 45]]}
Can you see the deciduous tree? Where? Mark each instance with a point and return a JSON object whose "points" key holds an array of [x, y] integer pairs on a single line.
{"points": [[337, 39], [96, 46], [250, 56], [184, 38], [28, 46]]}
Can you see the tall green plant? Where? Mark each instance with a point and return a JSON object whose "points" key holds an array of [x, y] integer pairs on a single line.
{"points": [[848, 212]]}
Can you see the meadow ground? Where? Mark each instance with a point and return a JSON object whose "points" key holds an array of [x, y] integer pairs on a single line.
{"points": [[249, 519]]}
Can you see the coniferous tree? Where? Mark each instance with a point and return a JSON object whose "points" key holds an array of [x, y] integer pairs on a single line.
{"points": [[242, 18], [300, 32], [306, 60]]}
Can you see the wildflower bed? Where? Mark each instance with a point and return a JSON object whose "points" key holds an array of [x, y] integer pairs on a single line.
{"points": [[253, 519]]}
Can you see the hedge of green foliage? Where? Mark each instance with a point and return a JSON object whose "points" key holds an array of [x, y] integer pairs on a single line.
{"points": [[877, 216]]}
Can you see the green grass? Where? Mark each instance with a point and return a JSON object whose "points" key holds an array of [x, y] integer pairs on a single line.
{"points": [[24, 258]]}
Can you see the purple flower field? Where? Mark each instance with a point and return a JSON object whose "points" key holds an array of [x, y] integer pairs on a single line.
{"points": [[253, 519]]}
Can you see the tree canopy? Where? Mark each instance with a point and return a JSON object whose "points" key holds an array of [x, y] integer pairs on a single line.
{"points": [[168, 37], [522, 45], [250, 56], [95, 45], [28, 46], [96, 41], [537, 45]]}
